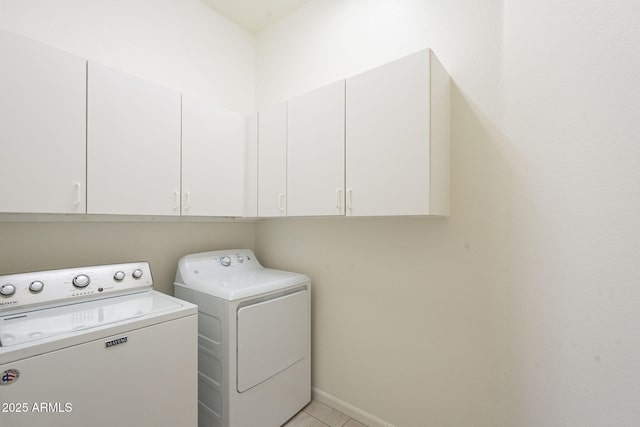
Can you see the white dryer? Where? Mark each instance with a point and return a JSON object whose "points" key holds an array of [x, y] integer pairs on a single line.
{"points": [[95, 346], [254, 361]]}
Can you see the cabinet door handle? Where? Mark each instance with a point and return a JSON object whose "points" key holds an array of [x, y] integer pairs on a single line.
{"points": [[187, 200], [176, 195], [349, 199], [281, 202], [339, 198], [78, 194]]}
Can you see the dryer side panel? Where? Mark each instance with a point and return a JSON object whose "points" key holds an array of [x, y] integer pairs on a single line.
{"points": [[272, 335]]}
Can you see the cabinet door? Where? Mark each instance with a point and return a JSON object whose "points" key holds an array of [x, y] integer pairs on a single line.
{"points": [[251, 165], [272, 161], [42, 128], [388, 140], [213, 149], [133, 145], [315, 152]]}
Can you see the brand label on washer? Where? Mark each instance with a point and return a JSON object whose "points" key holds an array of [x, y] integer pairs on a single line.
{"points": [[13, 302], [9, 376], [117, 341]]}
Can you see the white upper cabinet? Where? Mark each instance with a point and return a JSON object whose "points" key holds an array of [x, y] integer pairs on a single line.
{"points": [[42, 128], [133, 145], [213, 159], [251, 167], [80, 137], [315, 152], [272, 161], [397, 139]]}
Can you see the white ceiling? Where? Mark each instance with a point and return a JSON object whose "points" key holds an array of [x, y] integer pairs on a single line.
{"points": [[254, 15]]}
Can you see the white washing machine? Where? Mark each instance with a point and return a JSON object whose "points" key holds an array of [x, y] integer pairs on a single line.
{"points": [[95, 346], [254, 359]]}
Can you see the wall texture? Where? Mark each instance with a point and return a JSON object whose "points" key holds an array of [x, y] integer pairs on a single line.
{"points": [[50, 245], [519, 309]]}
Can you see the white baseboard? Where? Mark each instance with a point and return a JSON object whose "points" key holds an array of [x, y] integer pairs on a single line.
{"points": [[348, 409]]}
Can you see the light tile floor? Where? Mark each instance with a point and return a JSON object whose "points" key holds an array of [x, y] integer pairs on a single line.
{"points": [[317, 414]]}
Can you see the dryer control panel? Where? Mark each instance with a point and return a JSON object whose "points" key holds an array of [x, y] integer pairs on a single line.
{"points": [[216, 262], [237, 259], [232, 274], [66, 286]]}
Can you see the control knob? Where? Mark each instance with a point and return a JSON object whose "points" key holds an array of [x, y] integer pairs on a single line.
{"points": [[36, 286], [7, 290], [225, 261], [137, 273], [119, 276], [240, 259], [81, 281]]}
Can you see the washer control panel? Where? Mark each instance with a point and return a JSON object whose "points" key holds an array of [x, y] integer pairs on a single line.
{"points": [[60, 287]]}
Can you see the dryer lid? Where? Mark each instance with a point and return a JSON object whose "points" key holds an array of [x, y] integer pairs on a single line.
{"points": [[232, 275], [233, 286], [47, 323]]}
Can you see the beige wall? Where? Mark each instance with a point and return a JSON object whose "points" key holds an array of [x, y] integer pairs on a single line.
{"points": [[518, 310], [419, 321], [180, 44], [521, 308], [33, 246]]}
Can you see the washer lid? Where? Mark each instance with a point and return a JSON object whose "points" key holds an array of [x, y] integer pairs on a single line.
{"points": [[243, 284], [47, 323]]}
